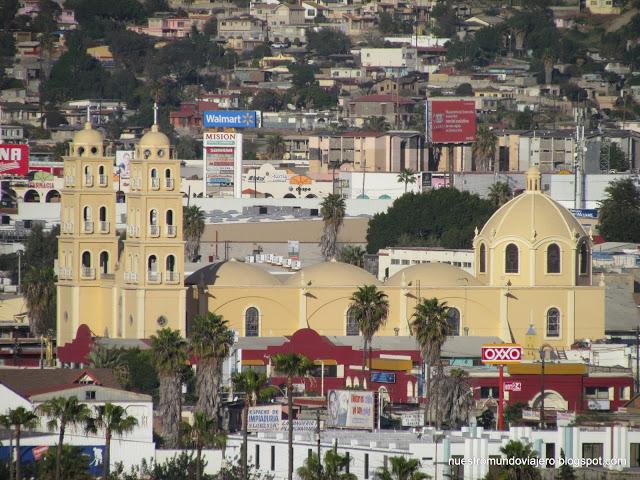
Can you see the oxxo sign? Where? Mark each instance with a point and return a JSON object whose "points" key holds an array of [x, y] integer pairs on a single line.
{"points": [[502, 353]]}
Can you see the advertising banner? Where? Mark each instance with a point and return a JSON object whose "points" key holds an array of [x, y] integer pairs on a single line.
{"points": [[94, 455], [531, 414], [502, 353], [14, 159], [585, 212], [123, 163], [230, 119], [512, 386], [383, 377], [264, 418], [351, 409], [450, 121], [412, 419], [222, 160]]}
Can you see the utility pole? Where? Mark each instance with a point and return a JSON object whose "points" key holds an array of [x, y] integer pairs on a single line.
{"points": [[542, 389], [637, 359], [318, 441]]}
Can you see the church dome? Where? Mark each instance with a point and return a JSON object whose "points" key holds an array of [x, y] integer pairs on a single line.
{"points": [[432, 275], [533, 217], [232, 274], [332, 274], [154, 138], [88, 136]]}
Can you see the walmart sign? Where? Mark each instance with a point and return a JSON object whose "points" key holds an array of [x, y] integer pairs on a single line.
{"points": [[230, 119]]}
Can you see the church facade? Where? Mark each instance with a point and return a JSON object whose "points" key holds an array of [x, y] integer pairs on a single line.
{"points": [[120, 286], [532, 285]]}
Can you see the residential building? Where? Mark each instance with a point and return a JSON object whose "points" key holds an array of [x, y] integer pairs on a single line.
{"points": [[395, 61], [168, 26], [396, 110], [243, 27], [603, 7]]}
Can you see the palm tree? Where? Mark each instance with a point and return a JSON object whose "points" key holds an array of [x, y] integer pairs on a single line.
{"points": [[276, 147], [39, 290], [112, 358], [19, 418], [291, 365], [454, 397], [332, 469], [484, 148], [169, 353], [211, 342], [407, 176], [255, 386], [430, 327], [401, 469], [201, 434], [113, 419], [353, 255], [6, 424], [499, 193], [370, 307], [333, 211], [192, 229], [519, 470], [63, 412]]}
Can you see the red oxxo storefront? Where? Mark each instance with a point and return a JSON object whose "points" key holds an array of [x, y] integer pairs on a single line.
{"points": [[391, 370], [571, 387]]}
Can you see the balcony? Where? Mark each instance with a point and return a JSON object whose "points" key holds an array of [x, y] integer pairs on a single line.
{"points": [[104, 227], [69, 181], [154, 230], [153, 276], [155, 183], [172, 277], [88, 226], [171, 230], [88, 180], [103, 180], [88, 273], [130, 277], [168, 183]]}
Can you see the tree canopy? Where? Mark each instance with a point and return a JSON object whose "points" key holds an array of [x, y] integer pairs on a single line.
{"points": [[619, 215], [328, 41], [445, 217]]}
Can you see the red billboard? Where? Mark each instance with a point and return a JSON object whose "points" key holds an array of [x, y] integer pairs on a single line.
{"points": [[14, 159], [451, 121]]}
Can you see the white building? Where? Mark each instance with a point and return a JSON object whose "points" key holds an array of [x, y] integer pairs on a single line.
{"points": [[395, 60], [374, 185], [392, 260]]}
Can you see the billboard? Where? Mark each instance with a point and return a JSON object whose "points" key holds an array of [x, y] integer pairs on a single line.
{"points": [[123, 163], [351, 409], [222, 161], [264, 418], [450, 121], [383, 377], [230, 119], [502, 353], [14, 159]]}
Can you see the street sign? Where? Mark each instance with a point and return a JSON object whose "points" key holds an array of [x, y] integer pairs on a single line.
{"points": [[230, 119], [512, 386], [501, 354], [412, 419]]}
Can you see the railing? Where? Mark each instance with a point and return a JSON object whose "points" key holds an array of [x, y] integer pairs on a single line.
{"points": [[88, 180], [168, 183], [155, 183], [88, 226], [88, 273], [172, 230], [172, 277], [102, 179], [130, 277], [153, 276], [104, 227], [154, 230]]}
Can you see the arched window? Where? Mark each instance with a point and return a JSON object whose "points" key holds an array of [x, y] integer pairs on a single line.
{"points": [[87, 214], [86, 259], [353, 328], [154, 173], [171, 263], [251, 322], [103, 214], [87, 170], [483, 258], [152, 263], [167, 173], [169, 217], [553, 322], [584, 259], [453, 321], [104, 262], [101, 170], [511, 259], [347, 382], [553, 258], [153, 217], [409, 389]]}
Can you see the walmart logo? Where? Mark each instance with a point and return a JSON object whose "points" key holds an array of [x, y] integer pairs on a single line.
{"points": [[230, 119]]}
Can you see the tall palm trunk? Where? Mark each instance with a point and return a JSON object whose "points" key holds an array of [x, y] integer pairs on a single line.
{"points": [[10, 453], [18, 457], [206, 387], [427, 396], [245, 437], [170, 409], [199, 461], [370, 342], [290, 406], [364, 360], [107, 454], [59, 451]]}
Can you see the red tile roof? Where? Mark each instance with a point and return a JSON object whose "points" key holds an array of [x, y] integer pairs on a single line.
{"points": [[30, 381]]}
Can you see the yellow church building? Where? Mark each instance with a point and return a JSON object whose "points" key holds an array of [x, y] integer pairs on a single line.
{"points": [[532, 267], [120, 288]]}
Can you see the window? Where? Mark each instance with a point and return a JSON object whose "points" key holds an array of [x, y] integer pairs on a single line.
{"points": [[634, 455], [169, 217], [395, 261], [553, 258], [553, 322], [90, 395], [273, 458], [596, 393], [171, 263], [489, 392], [86, 259], [104, 262], [152, 263], [550, 450], [453, 321], [153, 217], [405, 262], [584, 258], [511, 259], [103, 214], [625, 393], [251, 322], [592, 451], [353, 329], [87, 215]]}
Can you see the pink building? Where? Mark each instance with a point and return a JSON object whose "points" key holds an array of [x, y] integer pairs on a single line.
{"points": [[165, 26]]}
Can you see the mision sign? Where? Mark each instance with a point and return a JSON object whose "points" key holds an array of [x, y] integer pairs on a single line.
{"points": [[14, 159], [502, 353]]}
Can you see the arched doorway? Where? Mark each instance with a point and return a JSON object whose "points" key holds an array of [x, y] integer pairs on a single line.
{"points": [[31, 196], [53, 196]]}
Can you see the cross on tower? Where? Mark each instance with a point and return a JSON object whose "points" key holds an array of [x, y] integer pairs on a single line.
{"points": [[155, 113]]}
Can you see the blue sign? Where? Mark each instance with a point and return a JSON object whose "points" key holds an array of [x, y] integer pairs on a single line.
{"points": [[584, 212], [230, 119], [383, 377]]}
